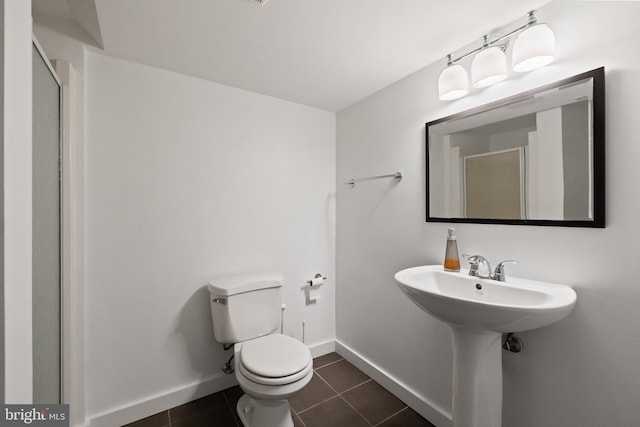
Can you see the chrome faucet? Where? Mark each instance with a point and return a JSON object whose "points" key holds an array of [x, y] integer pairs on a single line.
{"points": [[498, 274], [474, 269]]}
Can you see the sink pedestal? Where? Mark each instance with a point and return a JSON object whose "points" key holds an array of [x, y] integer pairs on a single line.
{"points": [[477, 378]]}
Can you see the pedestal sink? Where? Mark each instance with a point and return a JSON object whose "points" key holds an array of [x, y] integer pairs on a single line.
{"points": [[478, 312]]}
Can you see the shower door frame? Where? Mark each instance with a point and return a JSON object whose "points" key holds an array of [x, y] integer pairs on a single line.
{"points": [[62, 71]]}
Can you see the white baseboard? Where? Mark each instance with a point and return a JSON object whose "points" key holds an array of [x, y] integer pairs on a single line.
{"points": [[159, 403], [142, 409], [436, 415], [323, 348]]}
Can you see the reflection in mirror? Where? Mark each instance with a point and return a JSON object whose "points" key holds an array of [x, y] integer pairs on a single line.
{"points": [[535, 158]]}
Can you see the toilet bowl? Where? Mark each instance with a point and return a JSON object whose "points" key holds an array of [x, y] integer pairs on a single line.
{"points": [[269, 370], [270, 367]]}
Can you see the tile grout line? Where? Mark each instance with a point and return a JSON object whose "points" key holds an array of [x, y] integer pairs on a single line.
{"points": [[337, 394], [356, 386], [326, 382], [350, 405], [230, 408], [391, 416], [169, 416], [340, 395], [344, 391], [317, 404], [301, 420], [328, 364], [356, 411]]}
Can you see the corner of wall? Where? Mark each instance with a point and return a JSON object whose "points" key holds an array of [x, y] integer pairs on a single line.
{"points": [[16, 70]]}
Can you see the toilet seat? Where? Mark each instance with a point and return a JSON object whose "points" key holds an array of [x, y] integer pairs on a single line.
{"points": [[274, 360]]}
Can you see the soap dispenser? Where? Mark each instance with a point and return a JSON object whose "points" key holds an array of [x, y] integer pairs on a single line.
{"points": [[451, 258]]}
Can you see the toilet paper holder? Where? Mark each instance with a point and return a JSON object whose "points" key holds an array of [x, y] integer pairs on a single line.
{"points": [[317, 280], [312, 289]]}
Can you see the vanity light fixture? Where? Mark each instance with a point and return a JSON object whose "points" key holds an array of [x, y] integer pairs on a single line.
{"points": [[489, 66], [534, 48], [453, 82]]}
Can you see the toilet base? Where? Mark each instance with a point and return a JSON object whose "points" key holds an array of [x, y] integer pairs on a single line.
{"points": [[264, 413]]}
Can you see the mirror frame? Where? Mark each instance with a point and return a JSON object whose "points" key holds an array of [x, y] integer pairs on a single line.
{"points": [[598, 220]]}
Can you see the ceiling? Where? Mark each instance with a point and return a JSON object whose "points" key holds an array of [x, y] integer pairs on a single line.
{"points": [[326, 54]]}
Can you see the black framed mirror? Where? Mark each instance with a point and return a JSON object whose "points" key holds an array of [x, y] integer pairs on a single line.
{"points": [[536, 158]]}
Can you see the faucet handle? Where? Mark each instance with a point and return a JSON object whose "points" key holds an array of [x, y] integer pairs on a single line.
{"points": [[474, 261], [499, 271]]}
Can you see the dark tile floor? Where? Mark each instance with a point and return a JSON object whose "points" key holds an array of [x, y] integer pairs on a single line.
{"points": [[339, 395]]}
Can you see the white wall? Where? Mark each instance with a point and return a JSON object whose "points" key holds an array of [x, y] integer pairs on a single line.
{"points": [[189, 180], [581, 371], [15, 71]]}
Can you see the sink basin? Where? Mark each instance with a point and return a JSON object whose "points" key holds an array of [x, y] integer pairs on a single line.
{"points": [[479, 311], [465, 301]]}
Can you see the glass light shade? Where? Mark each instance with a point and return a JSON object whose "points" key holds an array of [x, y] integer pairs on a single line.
{"points": [[534, 48], [488, 67], [453, 83]]}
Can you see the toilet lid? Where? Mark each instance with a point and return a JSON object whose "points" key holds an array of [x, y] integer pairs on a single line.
{"points": [[274, 356]]}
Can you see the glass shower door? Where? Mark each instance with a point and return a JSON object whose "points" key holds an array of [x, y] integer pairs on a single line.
{"points": [[46, 233]]}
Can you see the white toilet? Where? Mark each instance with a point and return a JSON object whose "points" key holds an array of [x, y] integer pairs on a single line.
{"points": [[270, 367]]}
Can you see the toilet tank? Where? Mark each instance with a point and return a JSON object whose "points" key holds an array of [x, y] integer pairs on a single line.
{"points": [[245, 307]]}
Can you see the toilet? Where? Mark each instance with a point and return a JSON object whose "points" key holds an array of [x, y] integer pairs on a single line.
{"points": [[270, 367]]}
